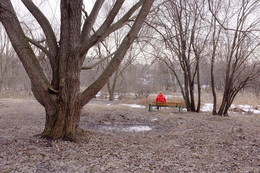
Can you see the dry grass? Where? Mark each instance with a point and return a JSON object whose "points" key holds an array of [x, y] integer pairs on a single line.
{"points": [[241, 99], [245, 98]]}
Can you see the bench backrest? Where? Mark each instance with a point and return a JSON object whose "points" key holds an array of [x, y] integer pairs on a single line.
{"points": [[175, 104]]}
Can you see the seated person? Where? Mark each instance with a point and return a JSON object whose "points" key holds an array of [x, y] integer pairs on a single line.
{"points": [[160, 98]]}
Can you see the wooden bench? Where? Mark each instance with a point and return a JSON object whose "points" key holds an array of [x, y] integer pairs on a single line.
{"points": [[166, 104]]}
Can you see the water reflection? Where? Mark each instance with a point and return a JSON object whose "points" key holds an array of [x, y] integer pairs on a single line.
{"points": [[127, 129]]}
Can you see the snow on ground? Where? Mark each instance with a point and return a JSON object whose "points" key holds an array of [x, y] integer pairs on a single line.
{"points": [[249, 108], [207, 107]]}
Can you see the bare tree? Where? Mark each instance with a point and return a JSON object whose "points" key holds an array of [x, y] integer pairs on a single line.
{"points": [[239, 45], [113, 81], [213, 47], [138, 80], [182, 27], [61, 97], [109, 48]]}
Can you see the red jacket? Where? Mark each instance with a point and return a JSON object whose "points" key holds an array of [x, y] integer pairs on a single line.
{"points": [[160, 98]]}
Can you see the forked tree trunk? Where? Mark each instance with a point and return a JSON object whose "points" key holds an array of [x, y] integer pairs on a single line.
{"points": [[61, 97]]}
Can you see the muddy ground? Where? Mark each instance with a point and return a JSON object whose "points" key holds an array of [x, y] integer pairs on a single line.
{"points": [[177, 142]]}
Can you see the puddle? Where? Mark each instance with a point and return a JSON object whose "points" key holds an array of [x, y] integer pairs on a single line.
{"points": [[127, 129], [122, 127]]}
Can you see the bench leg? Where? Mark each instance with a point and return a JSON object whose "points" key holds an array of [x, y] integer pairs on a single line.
{"points": [[150, 108]]}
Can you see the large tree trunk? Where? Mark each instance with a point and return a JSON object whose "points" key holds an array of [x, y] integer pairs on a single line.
{"points": [[62, 123]]}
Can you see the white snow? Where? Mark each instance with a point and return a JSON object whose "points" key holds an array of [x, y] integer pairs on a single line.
{"points": [[98, 94], [249, 108], [207, 107]]}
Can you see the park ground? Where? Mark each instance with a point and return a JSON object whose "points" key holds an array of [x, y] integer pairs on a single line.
{"points": [[121, 139]]}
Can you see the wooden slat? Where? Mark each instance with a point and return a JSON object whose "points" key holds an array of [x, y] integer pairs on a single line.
{"points": [[174, 104]]}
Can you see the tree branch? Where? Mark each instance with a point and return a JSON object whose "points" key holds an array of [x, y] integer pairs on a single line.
{"points": [[106, 29], [97, 63], [89, 22], [224, 27], [37, 44], [46, 26]]}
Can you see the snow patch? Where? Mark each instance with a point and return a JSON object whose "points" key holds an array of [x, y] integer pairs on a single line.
{"points": [[208, 107], [249, 108]]}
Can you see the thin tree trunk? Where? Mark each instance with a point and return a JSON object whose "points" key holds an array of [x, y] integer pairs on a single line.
{"points": [[214, 111], [199, 88], [186, 91], [112, 86], [110, 91], [192, 99]]}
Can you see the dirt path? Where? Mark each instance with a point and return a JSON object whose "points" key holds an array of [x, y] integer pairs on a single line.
{"points": [[175, 142]]}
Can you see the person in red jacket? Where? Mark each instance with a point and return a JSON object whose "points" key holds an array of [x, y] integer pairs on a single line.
{"points": [[160, 98]]}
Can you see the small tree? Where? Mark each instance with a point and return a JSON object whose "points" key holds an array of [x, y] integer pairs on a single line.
{"points": [[61, 96], [113, 81]]}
